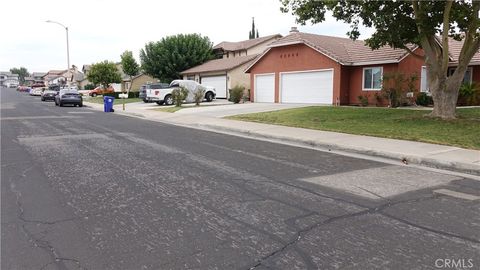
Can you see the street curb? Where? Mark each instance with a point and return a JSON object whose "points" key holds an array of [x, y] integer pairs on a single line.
{"points": [[413, 159], [460, 167]]}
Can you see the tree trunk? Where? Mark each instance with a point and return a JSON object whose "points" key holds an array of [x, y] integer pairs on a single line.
{"points": [[445, 95]]}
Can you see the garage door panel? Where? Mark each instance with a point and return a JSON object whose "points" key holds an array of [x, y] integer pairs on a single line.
{"points": [[307, 87], [265, 88], [219, 82]]}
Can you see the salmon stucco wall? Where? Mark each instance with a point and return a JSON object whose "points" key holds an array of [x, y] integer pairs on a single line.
{"points": [[356, 83], [412, 66], [298, 57]]}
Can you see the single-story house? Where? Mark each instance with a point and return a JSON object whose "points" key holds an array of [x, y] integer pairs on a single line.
{"points": [[310, 68], [140, 80], [228, 71]]}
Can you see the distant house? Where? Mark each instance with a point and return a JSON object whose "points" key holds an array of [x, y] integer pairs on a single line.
{"points": [[59, 80], [8, 79], [140, 80], [38, 75], [84, 81], [310, 68], [227, 71], [52, 74]]}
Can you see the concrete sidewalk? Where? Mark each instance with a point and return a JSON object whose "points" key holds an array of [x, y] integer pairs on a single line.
{"points": [[431, 155]]}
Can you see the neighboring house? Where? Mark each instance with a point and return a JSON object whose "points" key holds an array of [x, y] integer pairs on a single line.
{"points": [[309, 68], [52, 74], [227, 72], [7, 79], [222, 74], [71, 77], [85, 81], [59, 80], [37, 76], [228, 49], [140, 80], [30, 80]]}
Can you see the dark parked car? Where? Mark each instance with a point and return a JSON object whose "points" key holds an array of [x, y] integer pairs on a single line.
{"points": [[51, 92], [148, 87], [68, 96]]}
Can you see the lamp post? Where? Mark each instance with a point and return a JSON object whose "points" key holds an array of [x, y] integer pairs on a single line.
{"points": [[68, 50]]}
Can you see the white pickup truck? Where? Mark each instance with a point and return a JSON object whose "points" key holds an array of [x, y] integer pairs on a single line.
{"points": [[164, 96]]}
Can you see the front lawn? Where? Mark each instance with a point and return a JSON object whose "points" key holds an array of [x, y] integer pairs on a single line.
{"points": [[117, 101], [169, 109], [380, 122]]}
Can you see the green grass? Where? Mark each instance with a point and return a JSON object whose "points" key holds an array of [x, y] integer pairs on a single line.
{"points": [[117, 101], [403, 124], [169, 109]]}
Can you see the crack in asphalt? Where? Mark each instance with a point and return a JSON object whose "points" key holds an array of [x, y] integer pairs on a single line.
{"points": [[219, 166], [38, 241], [298, 234]]}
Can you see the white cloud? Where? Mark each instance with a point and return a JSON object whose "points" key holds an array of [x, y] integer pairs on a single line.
{"points": [[102, 29]]}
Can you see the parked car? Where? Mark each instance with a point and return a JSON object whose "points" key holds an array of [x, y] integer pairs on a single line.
{"points": [[101, 91], [12, 85], [164, 96], [51, 92], [38, 84], [68, 96], [147, 88], [23, 88], [37, 91]]}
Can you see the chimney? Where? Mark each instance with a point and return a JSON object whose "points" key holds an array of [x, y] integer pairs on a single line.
{"points": [[294, 30]]}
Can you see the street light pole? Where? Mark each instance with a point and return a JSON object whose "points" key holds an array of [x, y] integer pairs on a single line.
{"points": [[68, 47]]}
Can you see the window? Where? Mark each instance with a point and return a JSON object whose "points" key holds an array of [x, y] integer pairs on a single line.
{"points": [[467, 79], [372, 78], [424, 85]]}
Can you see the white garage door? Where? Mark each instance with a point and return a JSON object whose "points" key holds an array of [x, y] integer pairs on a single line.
{"points": [[265, 88], [219, 82], [307, 87]]}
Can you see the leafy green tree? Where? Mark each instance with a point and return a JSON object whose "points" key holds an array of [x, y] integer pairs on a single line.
{"points": [[427, 24], [104, 73], [168, 57], [129, 66], [22, 73]]}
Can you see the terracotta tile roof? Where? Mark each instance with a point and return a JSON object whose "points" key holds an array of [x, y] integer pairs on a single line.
{"points": [[343, 50], [243, 45], [223, 64], [455, 47], [349, 52]]}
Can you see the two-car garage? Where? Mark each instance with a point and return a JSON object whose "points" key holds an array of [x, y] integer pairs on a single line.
{"points": [[295, 87]]}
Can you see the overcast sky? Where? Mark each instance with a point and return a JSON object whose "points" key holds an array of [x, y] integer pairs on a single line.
{"points": [[103, 29]]}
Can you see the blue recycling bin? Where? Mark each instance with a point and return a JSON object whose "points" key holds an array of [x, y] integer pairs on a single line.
{"points": [[108, 103]]}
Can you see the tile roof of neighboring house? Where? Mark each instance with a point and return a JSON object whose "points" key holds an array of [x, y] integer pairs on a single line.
{"points": [[243, 45], [51, 73], [456, 46], [343, 50], [349, 52], [38, 74], [223, 64]]}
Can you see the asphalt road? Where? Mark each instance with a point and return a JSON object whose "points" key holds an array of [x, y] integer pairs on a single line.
{"points": [[81, 189]]}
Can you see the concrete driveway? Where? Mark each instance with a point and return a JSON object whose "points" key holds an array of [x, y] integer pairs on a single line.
{"points": [[218, 108], [221, 108]]}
